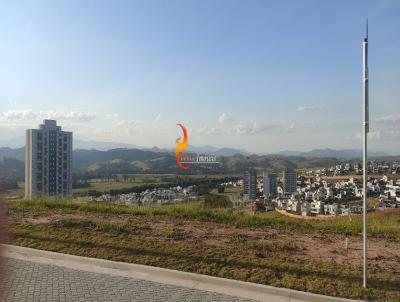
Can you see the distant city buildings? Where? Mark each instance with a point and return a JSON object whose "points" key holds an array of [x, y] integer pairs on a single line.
{"points": [[332, 191], [48, 161], [289, 181], [250, 184], [270, 184]]}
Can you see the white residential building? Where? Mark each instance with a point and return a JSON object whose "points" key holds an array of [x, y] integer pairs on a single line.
{"points": [[48, 161]]}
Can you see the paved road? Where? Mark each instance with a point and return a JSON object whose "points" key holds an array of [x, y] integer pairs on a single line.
{"points": [[37, 282]]}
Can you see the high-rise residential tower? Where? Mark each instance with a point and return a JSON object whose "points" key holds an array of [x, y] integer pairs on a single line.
{"points": [[289, 181], [270, 184], [250, 184], [48, 161]]}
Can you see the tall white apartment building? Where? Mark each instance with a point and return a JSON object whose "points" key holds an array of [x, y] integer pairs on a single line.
{"points": [[48, 161]]}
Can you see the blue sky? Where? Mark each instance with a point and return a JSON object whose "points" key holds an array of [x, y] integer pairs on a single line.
{"points": [[260, 75]]}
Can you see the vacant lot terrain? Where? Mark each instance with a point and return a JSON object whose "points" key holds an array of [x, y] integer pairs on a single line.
{"points": [[263, 248]]}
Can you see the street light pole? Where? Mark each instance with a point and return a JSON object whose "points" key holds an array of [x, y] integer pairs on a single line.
{"points": [[365, 133]]}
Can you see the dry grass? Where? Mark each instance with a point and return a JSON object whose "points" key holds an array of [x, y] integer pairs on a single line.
{"points": [[266, 248]]}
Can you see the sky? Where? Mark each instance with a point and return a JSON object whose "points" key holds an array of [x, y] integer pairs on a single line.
{"points": [[260, 75]]}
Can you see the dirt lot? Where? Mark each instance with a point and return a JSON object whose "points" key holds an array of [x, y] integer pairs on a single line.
{"points": [[383, 254], [312, 261]]}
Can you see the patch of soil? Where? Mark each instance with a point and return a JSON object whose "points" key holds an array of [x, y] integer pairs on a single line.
{"points": [[383, 254]]}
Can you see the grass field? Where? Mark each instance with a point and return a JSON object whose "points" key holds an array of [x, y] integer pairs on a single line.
{"points": [[138, 180], [381, 224], [105, 186], [264, 248]]}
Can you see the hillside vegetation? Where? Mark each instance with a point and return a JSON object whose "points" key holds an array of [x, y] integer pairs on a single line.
{"points": [[89, 164], [381, 224]]}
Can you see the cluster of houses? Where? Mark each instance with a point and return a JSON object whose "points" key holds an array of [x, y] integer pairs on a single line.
{"points": [[311, 194], [150, 197], [374, 167], [315, 196]]}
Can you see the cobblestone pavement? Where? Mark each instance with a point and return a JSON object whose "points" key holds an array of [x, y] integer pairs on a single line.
{"points": [[36, 282]]}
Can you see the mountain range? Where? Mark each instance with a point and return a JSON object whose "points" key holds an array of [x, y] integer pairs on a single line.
{"points": [[105, 163], [349, 154], [339, 154], [104, 158], [18, 142]]}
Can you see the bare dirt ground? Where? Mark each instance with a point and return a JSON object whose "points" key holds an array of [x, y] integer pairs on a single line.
{"points": [[383, 254]]}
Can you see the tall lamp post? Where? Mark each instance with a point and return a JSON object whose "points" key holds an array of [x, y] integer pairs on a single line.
{"points": [[365, 132]]}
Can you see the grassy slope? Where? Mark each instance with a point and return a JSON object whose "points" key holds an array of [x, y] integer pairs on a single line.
{"points": [[143, 179], [380, 224], [126, 234]]}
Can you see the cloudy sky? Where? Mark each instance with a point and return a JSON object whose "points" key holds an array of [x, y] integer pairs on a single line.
{"points": [[259, 75]]}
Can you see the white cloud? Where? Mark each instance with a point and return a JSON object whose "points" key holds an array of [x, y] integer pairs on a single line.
{"points": [[30, 115], [157, 118], [243, 128], [222, 118], [392, 135], [128, 123], [112, 116], [388, 119], [254, 128], [240, 129], [290, 128], [373, 135], [205, 130], [76, 116], [130, 126], [311, 108], [13, 115]]}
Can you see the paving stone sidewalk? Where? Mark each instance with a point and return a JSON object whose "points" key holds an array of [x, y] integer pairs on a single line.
{"points": [[28, 281]]}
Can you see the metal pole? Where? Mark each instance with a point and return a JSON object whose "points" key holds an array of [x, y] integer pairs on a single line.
{"points": [[365, 132]]}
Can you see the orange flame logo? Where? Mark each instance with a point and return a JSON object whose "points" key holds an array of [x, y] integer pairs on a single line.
{"points": [[180, 146]]}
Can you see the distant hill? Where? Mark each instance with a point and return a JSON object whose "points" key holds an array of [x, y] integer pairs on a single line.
{"points": [[17, 153], [84, 158], [339, 154], [15, 142], [11, 172], [217, 151], [98, 163], [98, 145], [277, 163], [19, 142], [126, 161]]}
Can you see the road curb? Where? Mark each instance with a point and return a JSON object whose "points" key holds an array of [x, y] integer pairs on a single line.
{"points": [[167, 276]]}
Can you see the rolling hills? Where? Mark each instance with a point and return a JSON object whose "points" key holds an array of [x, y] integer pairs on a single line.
{"points": [[97, 163]]}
